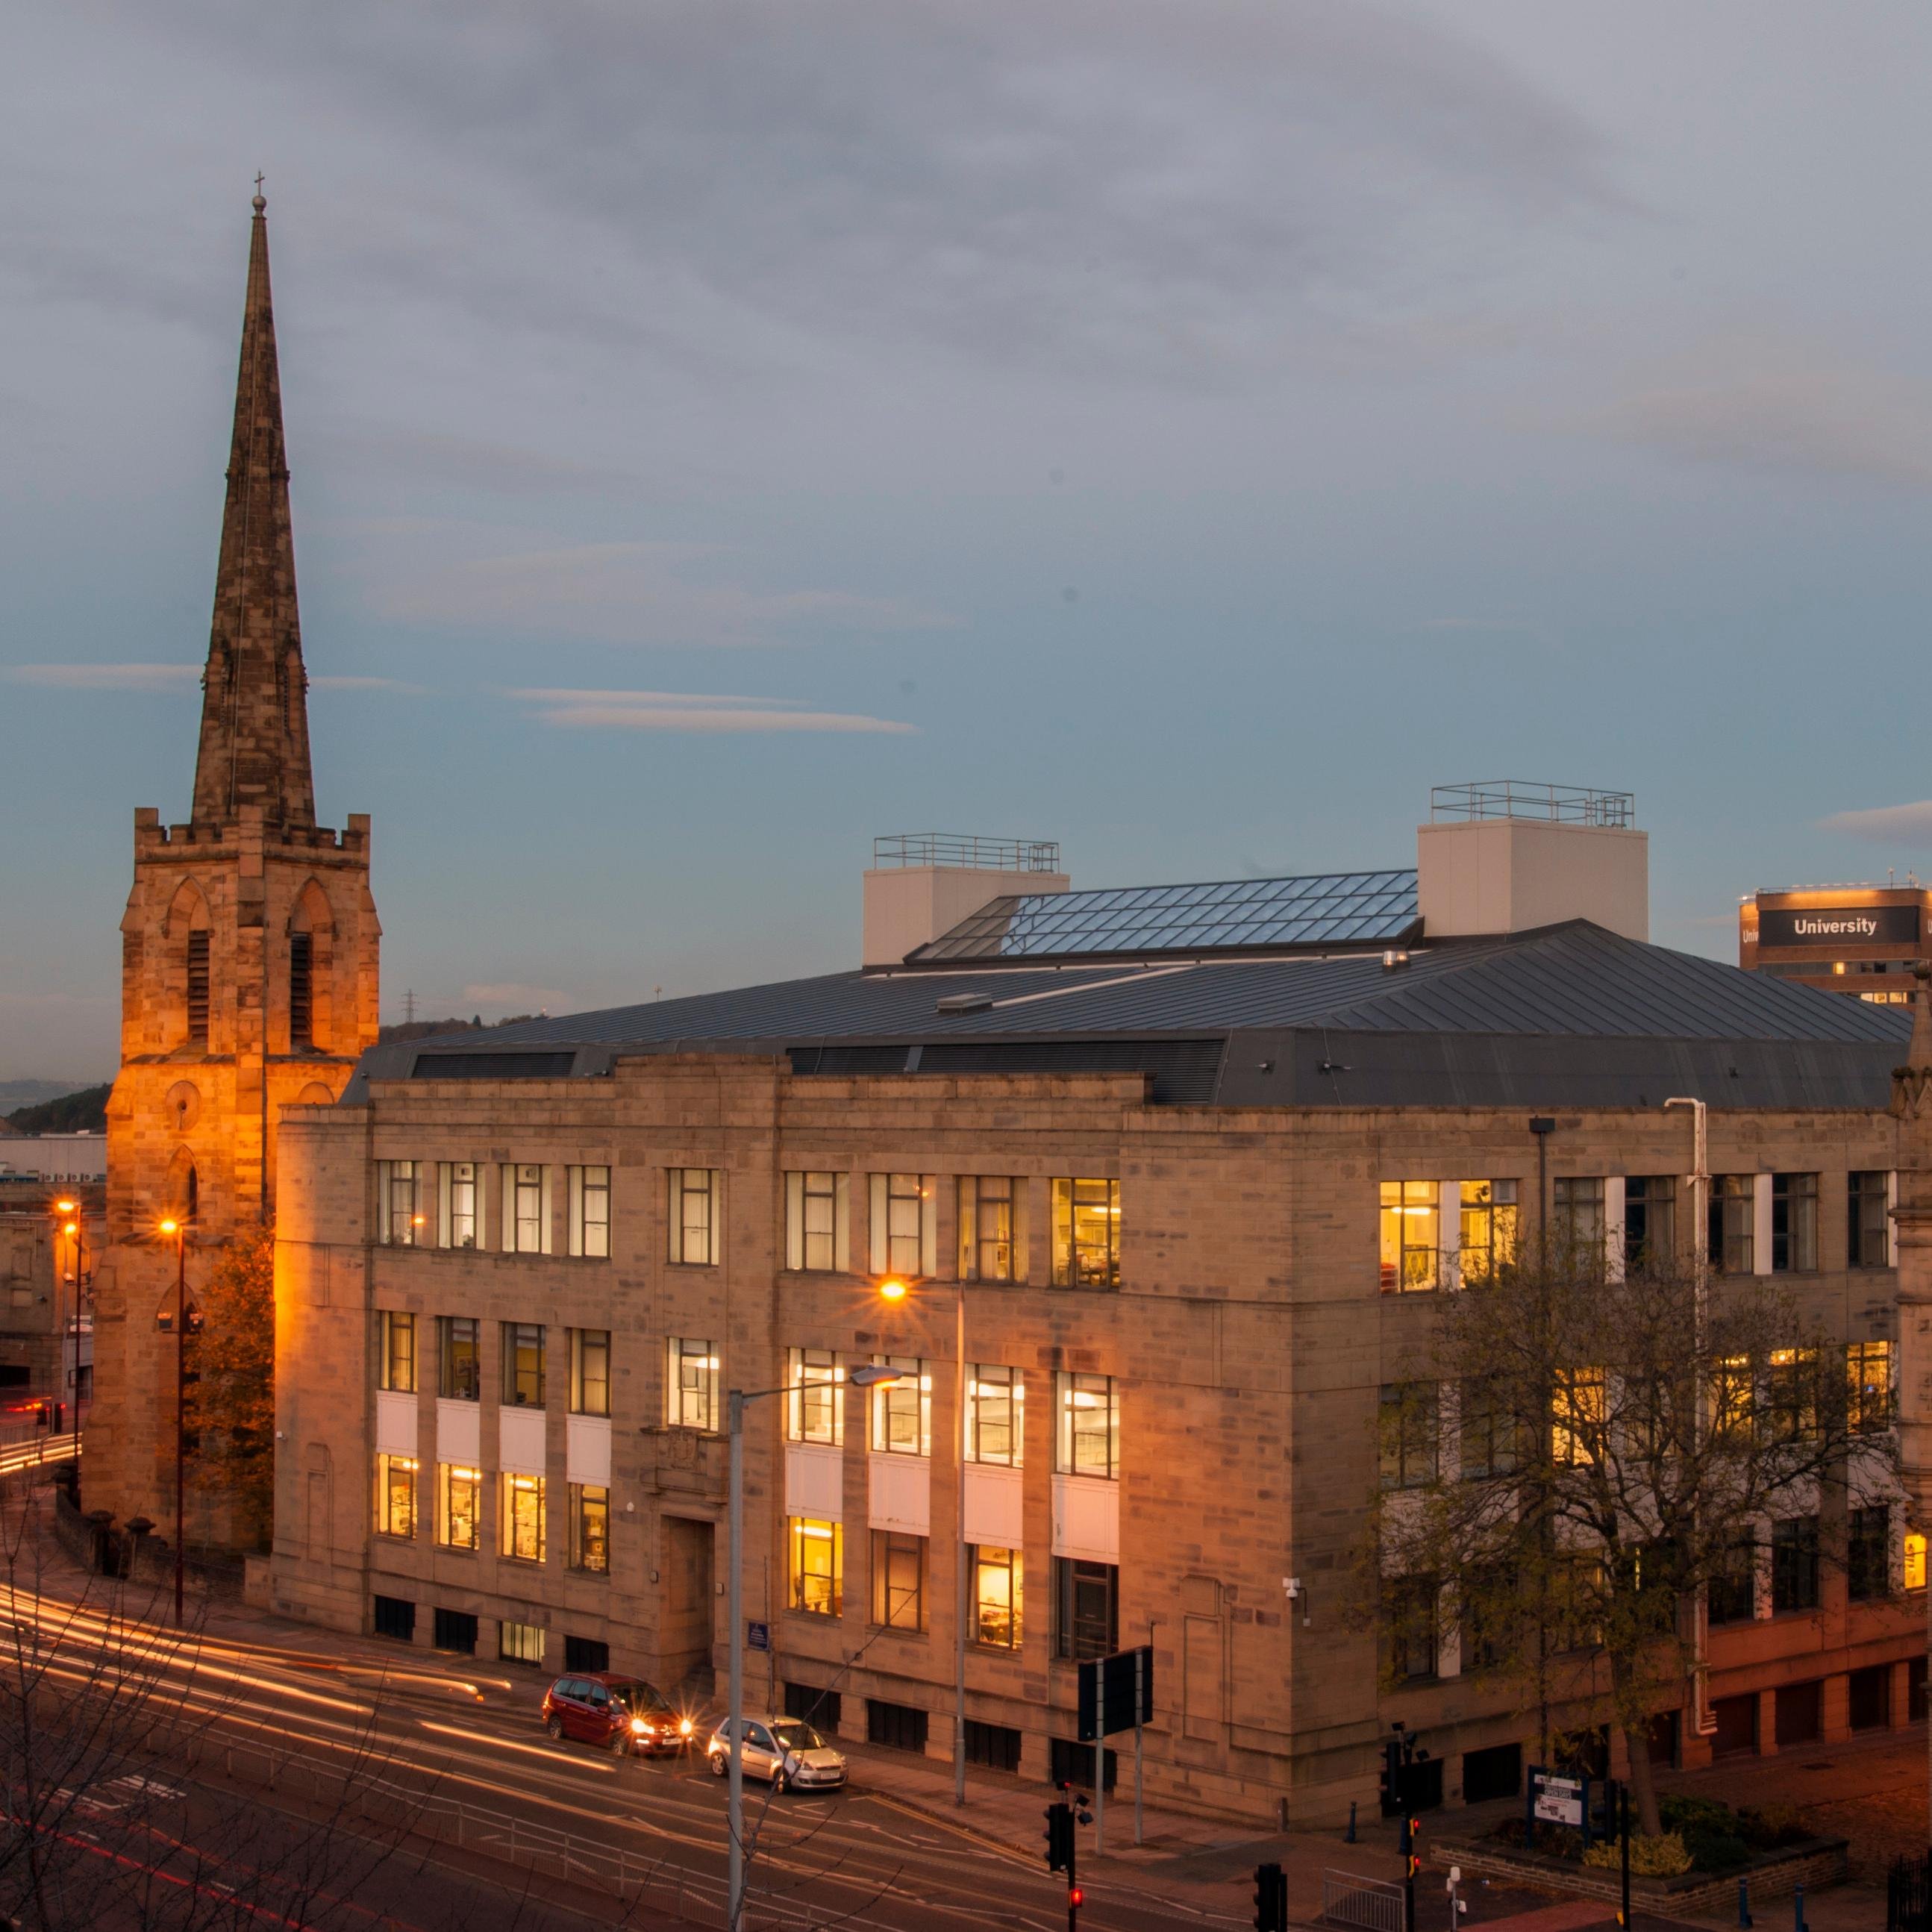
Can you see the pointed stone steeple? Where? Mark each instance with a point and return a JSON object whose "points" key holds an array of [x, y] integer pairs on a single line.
{"points": [[254, 710]]}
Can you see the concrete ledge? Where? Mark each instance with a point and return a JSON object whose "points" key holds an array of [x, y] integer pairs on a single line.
{"points": [[1816, 1861]]}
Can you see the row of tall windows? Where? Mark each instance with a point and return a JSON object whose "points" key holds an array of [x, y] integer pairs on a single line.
{"points": [[439, 1204], [1444, 1233], [1086, 1596], [523, 1352], [522, 1511], [1774, 1400]]}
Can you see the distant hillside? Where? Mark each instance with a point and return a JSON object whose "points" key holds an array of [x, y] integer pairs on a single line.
{"points": [[84, 1112], [31, 1093], [422, 1029]]}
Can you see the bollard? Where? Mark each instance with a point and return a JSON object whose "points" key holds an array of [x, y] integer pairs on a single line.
{"points": [[1743, 1904], [1348, 1836], [1798, 1911]]}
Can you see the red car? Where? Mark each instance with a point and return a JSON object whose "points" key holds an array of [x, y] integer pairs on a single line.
{"points": [[618, 1713]]}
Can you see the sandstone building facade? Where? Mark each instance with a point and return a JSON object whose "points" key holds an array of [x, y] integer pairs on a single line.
{"points": [[249, 955], [1199, 1162]]}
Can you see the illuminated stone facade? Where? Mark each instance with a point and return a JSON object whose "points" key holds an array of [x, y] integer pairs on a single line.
{"points": [[249, 958], [1246, 1341]]}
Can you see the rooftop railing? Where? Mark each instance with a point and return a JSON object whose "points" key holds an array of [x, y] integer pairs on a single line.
{"points": [[963, 849], [1529, 798]]}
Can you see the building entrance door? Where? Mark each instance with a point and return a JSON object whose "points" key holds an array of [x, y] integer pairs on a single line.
{"points": [[686, 1631]]}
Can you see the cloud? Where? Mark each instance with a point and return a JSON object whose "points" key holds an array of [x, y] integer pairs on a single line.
{"points": [[1778, 407], [1888, 824], [346, 683], [632, 593], [687, 711], [175, 677]]}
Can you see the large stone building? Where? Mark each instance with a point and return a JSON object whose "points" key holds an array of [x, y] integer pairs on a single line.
{"points": [[1197, 1161], [249, 954]]}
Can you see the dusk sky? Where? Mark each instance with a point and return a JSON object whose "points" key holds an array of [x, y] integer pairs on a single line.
{"points": [[723, 432]]}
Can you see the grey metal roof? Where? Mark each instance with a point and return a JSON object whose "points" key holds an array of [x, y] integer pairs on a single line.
{"points": [[1568, 1012], [1146, 922]]}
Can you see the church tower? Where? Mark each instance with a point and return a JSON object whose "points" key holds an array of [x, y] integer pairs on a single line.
{"points": [[248, 960]]}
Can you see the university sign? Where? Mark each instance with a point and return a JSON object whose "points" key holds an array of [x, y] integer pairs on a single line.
{"points": [[1839, 925]]}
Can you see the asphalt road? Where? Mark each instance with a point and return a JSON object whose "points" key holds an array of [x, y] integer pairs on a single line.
{"points": [[240, 1821]]}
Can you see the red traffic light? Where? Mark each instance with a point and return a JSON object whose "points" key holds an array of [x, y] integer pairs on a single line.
{"points": [[1075, 1898]]}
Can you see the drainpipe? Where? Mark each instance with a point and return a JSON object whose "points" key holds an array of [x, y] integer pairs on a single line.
{"points": [[1702, 1719]]}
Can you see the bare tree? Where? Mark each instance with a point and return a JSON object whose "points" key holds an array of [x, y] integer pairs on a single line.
{"points": [[1583, 1454]]}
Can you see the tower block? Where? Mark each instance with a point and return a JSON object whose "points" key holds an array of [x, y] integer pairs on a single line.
{"points": [[249, 961]]}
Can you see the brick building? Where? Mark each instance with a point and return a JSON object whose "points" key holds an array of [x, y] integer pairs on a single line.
{"points": [[1195, 1162], [1863, 940], [249, 955]]}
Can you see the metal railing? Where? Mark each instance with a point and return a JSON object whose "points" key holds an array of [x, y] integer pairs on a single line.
{"points": [[964, 849], [1371, 1904], [1530, 798]]}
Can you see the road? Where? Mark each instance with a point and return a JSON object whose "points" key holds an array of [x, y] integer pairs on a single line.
{"points": [[455, 1786]]}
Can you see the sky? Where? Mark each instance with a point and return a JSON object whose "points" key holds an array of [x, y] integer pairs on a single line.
{"points": [[725, 430]]}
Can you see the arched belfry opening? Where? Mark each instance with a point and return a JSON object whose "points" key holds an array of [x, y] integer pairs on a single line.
{"points": [[190, 955], [310, 967]]}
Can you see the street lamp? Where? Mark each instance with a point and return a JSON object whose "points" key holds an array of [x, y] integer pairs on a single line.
{"points": [[72, 1228], [871, 1376], [895, 1288], [179, 1229]]}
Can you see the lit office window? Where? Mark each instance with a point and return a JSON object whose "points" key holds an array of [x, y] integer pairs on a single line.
{"points": [[520, 1643], [1488, 1228], [522, 1514], [996, 1581], [399, 1221], [1411, 1236], [995, 1398], [902, 1410], [691, 1384], [817, 1565], [1087, 1438], [590, 1213], [1086, 1233], [395, 1496], [459, 1505], [818, 1221], [815, 1407], [1868, 1386], [695, 1224], [590, 1528]]}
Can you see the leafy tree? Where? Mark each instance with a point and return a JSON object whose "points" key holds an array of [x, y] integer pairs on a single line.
{"points": [[1582, 1454], [231, 1409]]}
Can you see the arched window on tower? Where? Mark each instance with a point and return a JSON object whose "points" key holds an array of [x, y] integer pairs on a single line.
{"points": [[181, 1200], [310, 929], [188, 942]]}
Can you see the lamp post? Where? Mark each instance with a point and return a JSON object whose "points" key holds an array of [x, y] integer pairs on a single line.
{"points": [[895, 1288], [867, 1377], [179, 1231], [71, 1226]]}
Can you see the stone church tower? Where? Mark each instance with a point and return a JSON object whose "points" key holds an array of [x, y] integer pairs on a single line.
{"points": [[249, 955]]}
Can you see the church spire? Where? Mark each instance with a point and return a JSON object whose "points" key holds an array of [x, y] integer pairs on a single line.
{"points": [[254, 710]]}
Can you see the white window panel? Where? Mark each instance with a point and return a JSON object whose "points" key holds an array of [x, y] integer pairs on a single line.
{"points": [[520, 1441], [587, 1449], [815, 1480], [996, 1505], [458, 1434], [1613, 1242], [396, 1422], [1086, 1518], [1760, 1224], [900, 1493]]}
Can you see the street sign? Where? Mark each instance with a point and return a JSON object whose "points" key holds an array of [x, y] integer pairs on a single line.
{"points": [[757, 1636], [1116, 1694], [1558, 1800]]}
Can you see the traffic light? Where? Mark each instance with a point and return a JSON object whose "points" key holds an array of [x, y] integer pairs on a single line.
{"points": [[1411, 1838], [1076, 1898], [1391, 1779], [1270, 1899], [1059, 1836]]}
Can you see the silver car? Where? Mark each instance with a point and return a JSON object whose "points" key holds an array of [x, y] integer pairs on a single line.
{"points": [[786, 1752]]}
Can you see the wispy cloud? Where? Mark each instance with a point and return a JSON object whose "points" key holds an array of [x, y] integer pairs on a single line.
{"points": [[693, 711], [175, 677], [345, 683], [1888, 824], [634, 593]]}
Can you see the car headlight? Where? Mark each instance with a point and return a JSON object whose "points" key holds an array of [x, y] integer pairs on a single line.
{"points": [[685, 1728], [638, 1725]]}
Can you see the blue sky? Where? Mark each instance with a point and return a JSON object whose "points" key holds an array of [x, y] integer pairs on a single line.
{"points": [[721, 432]]}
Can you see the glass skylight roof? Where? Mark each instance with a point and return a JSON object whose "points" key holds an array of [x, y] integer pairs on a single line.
{"points": [[1351, 909]]}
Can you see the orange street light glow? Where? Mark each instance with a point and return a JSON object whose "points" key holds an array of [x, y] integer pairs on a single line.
{"points": [[65, 1207], [72, 1228], [170, 1227], [892, 1288]]}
